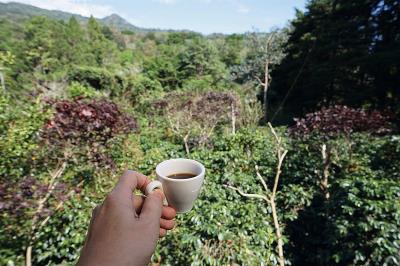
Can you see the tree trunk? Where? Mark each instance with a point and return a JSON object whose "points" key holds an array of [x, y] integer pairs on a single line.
{"points": [[185, 141], [3, 85], [266, 84], [278, 233], [233, 118], [326, 157], [28, 261]]}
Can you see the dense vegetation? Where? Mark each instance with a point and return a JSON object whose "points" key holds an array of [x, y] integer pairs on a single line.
{"points": [[80, 102]]}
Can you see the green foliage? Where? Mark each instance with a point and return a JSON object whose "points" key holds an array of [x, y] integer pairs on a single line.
{"points": [[77, 43], [6, 58], [144, 90], [200, 58], [97, 78], [164, 67], [262, 49], [61, 240], [101, 49], [357, 224], [340, 52], [127, 57], [40, 44], [19, 137], [353, 220], [75, 89], [224, 228], [232, 50]]}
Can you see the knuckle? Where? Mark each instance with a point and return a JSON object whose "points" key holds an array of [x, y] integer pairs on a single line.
{"points": [[156, 196], [110, 200]]}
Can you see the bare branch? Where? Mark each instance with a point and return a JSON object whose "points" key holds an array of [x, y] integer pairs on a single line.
{"points": [[262, 180], [3, 85], [255, 196], [59, 205], [281, 157], [278, 139], [233, 118], [269, 196], [270, 37], [278, 173], [41, 205], [259, 81]]}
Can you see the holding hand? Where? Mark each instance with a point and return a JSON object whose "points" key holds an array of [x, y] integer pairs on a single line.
{"points": [[124, 229]]}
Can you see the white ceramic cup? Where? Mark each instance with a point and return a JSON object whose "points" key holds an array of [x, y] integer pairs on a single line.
{"points": [[180, 193]]}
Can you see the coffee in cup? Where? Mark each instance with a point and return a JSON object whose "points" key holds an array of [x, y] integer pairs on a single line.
{"points": [[181, 181]]}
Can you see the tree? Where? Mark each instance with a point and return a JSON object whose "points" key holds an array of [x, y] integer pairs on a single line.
{"points": [[231, 50], [384, 65], [265, 53], [335, 55], [100, 47], [163, 67], [200, 58], [6, 59], [38, 43], [76, 41]]}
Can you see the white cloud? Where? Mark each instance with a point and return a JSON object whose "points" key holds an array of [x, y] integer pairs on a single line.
{"points": [[243, 9], [81, 7], [167, 2]]}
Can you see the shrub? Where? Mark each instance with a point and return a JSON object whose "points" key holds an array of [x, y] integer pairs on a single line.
{"points": [[199, 114], [80, 131], [355, 225], [86, 121], [75, 89], [224, 228], [60, 242], [98, 78], [19, 136], [339, 119], [21, 209]]}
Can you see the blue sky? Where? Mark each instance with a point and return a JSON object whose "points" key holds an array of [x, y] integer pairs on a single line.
{"points": [[206, 16]]}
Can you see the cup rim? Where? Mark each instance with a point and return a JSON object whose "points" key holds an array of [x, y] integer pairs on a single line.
{"points": [[180, 180]]}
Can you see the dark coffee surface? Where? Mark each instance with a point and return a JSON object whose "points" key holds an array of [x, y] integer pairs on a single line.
{"points": [[181, 175]]}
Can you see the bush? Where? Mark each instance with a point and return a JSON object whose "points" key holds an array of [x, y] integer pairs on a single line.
{"points": [[86, 121], [223, 227], [356, 224], [338, 119], [19, 136], [143, 90], [75, 89], [77, 135], [98, 78], [61, 240]]}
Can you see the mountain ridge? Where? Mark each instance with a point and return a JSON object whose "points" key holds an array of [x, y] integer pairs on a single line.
{"points": [[20, 11]]}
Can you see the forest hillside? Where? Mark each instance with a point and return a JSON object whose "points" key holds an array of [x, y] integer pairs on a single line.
{"points": [[306, 117]]}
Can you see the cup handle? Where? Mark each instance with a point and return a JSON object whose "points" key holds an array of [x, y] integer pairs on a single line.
{"points": [[152, 186]]}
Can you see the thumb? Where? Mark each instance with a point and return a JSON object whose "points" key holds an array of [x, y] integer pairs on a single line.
{"points": [[152, 206], [129, 181]]}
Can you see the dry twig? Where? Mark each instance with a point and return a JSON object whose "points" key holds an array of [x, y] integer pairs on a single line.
{"points": [[41, 204], [269, 196]]}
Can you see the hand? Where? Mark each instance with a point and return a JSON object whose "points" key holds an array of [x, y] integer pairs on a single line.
{"points": [[124, 229]]}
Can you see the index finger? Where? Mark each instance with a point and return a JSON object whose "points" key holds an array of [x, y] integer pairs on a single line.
{"points": [[128, 182]]}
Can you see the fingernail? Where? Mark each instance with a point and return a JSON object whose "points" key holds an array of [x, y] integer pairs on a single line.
{"points": [[158, 192]]}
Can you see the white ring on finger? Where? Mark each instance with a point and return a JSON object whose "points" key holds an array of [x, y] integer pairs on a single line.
{"points": [[155, 185]]}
